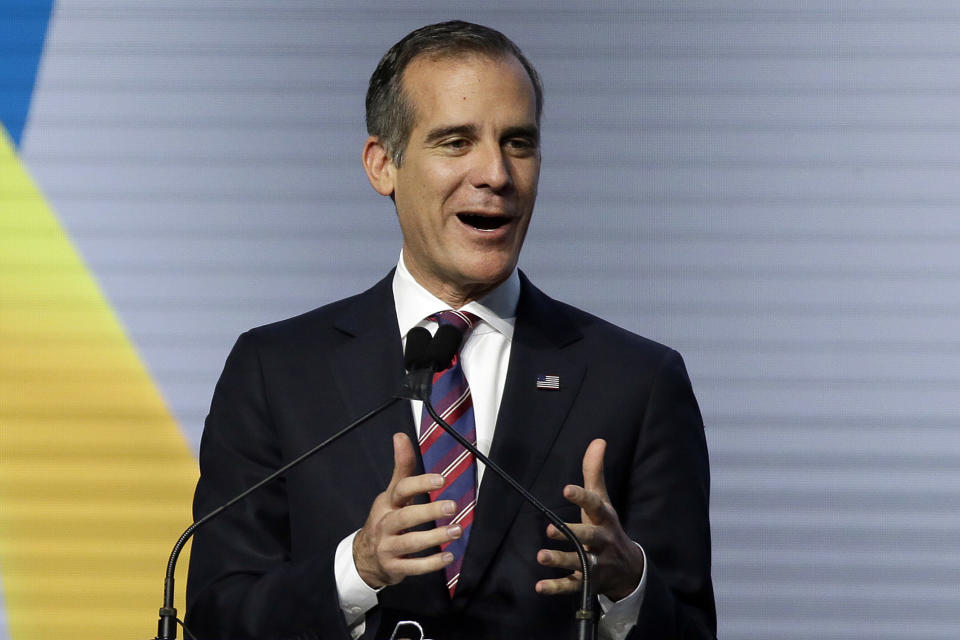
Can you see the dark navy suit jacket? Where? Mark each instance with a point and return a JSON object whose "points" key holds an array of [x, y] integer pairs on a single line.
{"points": [[265, 568]]}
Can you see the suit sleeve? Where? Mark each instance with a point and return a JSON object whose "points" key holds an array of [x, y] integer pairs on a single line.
{"points": [[667, 511], [242, 581]]}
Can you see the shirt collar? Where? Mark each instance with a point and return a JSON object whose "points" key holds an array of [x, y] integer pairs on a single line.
{"points": [[497, 309]]}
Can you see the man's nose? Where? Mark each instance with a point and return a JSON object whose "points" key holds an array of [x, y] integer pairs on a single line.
{"points": [[492, 170]]}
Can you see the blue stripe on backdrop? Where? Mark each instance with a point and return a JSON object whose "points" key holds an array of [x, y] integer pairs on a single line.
{"points": [[23, 26]]}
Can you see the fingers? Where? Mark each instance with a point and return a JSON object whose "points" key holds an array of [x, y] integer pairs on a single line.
{"points": [[401, 493], [413, 542], [382, 546], [400, 520], [617, 565], [596, 507], [569, 560], [402, 566], [404, 486], [591, 536], [559, 559], [391, 557], [594, 538], [566, 584]]}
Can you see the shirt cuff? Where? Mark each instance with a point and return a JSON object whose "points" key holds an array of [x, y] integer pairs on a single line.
{"points": [[620, 617], [356, 597]]}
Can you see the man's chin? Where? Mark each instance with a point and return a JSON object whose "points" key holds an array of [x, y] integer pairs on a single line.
{"points": [[490, 269]]}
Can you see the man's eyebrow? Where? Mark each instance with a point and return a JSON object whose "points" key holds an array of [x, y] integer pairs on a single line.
{"points": [[524, 131], [439, 133]]}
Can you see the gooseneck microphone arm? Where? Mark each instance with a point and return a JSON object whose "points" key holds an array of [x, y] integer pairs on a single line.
{"points": [[415, 359], [445, 344], [167, 626]]}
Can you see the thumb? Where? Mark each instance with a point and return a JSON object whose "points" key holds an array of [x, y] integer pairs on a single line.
{"points": [[593, 469], [404, 459]]}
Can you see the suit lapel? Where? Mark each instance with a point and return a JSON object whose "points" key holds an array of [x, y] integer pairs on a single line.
{"points": [[368, 366], [527, 425]]}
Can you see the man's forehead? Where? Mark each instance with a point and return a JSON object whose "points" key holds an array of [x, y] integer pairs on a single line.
{"points": [[426, 69]]}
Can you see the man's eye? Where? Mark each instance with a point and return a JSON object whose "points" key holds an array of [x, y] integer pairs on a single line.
{"points": [[457, 143], [521, 144]]}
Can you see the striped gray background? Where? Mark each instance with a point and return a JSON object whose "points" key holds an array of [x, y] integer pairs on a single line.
{"points": [[770, 187]]}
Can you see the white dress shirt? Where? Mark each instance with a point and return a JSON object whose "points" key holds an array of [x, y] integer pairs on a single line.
{"points": [[484, 356]]}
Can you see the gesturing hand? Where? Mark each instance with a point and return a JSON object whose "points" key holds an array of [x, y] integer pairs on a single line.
{"points": [[619, 565], [381, 549]]}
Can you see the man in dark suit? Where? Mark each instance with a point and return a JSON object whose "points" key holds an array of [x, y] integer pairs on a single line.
{"points": [[599, 423]]}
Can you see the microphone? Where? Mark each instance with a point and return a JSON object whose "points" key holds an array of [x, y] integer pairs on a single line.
{"points": [[445, 344], [417, 356], [418, 342], [425, 355]]}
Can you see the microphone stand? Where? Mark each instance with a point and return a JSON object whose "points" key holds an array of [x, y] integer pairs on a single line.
{"points": [[586, 620], [167, 626]]}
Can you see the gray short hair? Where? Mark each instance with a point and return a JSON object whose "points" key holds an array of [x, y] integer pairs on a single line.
{"points": [[390, 116]]}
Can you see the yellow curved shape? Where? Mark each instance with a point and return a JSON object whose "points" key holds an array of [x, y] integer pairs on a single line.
{"points": [[95, 476]]}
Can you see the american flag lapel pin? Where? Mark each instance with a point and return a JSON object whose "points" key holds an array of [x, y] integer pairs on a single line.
{"points": [[551, 383]]}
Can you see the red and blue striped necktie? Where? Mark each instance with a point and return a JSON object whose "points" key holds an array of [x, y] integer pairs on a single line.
{"points": [[444, 455]]}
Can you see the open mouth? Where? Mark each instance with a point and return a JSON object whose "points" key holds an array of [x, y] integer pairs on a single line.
{"points": [[483, 223]]}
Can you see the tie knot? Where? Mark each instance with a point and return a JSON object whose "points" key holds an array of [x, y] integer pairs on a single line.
{"points": [[464, 321]]}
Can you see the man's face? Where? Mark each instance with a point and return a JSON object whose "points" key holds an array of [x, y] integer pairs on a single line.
{"points": [[468, 181]]}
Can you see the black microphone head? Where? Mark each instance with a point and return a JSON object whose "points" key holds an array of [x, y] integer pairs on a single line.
{"points": [[418, 343], [446, 343]]}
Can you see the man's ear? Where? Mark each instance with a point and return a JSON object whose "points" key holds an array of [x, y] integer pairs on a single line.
{"points": [[379, 166]]}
